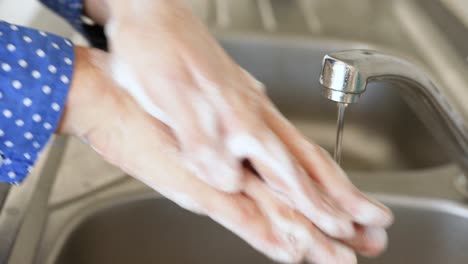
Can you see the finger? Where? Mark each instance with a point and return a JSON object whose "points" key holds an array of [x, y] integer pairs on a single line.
{"points": [[368, 241], [321, 167], [288, 180], [308, 242]]}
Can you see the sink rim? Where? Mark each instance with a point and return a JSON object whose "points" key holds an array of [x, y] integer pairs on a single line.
{"points": [[86, 211], [332, 42]]}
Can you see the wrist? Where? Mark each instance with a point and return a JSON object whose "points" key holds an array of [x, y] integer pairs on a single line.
{"points": [[85, 93]]}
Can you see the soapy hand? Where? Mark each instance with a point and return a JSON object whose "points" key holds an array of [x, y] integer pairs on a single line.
{"points": [[115, 125], [220, 115], [208, 116]]}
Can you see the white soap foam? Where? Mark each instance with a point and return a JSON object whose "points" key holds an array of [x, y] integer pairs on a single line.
{"points": [[213, 92], [244, 145], [124, 76], [223, 175], [207, 116]]}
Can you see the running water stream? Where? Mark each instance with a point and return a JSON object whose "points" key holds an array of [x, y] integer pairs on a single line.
{"points": [[339, 132]]}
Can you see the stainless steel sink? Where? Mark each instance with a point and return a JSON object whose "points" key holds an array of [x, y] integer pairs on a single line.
{"points": [[387, 152], [153, 230]]}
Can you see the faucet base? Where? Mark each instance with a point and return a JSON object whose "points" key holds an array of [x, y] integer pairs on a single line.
{"points": [[340, 97]]}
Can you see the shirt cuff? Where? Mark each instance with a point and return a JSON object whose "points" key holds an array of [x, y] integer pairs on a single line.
{"points": [[36, 69], [70, 10]]}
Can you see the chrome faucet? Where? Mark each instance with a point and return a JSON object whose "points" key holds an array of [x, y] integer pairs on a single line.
{"points": [[345, 76]]}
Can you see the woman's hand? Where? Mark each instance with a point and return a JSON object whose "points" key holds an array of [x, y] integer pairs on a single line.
{"points": [[220, 116], [114, 124]]}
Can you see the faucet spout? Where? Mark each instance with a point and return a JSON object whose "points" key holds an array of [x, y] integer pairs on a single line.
{"points": [[345, 76]]}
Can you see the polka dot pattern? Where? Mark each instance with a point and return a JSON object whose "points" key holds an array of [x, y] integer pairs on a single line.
{"points": [[35, 73]]}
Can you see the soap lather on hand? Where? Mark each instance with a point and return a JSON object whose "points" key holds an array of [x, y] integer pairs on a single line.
{"points": [[215, 115]]}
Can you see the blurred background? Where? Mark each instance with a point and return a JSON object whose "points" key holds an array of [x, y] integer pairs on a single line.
{"points": [[386, 148]]}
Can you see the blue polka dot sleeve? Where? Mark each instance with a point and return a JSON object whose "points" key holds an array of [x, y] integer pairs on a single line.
{"points": [[71, 10], [35, 75]]}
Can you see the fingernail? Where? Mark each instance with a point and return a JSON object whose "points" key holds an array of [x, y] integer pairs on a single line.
{"points": [[377, 239], [336, 228], [369, 213], [377, 236]]}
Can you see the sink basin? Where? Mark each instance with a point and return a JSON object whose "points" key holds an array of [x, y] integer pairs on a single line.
{"points": [[154, 230], [381, 132]]}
